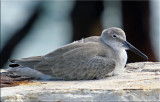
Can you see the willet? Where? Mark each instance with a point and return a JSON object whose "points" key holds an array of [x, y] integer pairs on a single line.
{"points": [[91, 58]]}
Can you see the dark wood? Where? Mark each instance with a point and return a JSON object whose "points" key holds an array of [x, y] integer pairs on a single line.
{"points": [[136, 26], [86, 19], [10, 80]]}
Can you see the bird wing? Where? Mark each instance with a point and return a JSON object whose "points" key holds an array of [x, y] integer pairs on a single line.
{"points": [[82, 62], [74, 45], [32, 61]]}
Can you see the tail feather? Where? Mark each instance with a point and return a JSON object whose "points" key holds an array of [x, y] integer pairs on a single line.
{"points": [[25, 62], [13, 65]]}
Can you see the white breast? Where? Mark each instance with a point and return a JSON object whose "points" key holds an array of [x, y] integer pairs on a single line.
{"points": [[120, 63]]}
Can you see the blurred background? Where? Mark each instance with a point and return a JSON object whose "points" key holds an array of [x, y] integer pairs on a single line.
{"points": [[36, 27]]}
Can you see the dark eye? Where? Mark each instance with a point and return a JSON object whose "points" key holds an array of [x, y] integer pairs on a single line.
{"points": [[114, 36]]}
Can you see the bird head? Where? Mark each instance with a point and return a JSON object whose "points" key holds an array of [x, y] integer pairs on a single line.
{"points": [[115, 38]]}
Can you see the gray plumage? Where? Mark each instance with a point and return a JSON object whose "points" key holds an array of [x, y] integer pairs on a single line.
{"points": [[89, 58]]}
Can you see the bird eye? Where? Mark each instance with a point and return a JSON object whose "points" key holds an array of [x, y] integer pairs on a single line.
{"points": [[114, 36]]}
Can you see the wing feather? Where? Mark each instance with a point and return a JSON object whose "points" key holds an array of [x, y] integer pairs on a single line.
{"points": [[79, 63]]}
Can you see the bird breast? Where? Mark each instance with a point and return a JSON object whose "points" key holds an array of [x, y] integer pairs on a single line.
{"points": [[121, 60]]}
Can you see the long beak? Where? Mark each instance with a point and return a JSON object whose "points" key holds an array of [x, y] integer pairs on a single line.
{"points": [[132, 48]]}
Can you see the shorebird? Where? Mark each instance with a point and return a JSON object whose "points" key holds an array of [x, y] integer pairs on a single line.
{"points": [[91, 58]]}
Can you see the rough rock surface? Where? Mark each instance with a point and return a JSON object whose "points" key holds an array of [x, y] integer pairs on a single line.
{"points": [[139, 82]]}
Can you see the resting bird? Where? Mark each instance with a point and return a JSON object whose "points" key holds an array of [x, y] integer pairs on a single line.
{"points": [[91, 58]]}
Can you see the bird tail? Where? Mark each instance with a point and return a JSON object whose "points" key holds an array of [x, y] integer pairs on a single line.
{"points": [[25, 62]]}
